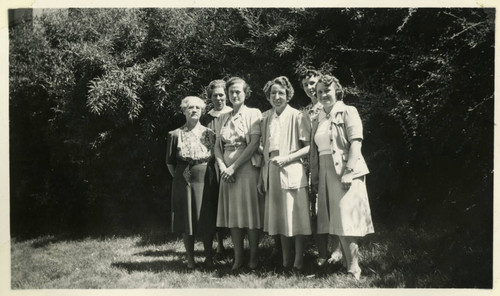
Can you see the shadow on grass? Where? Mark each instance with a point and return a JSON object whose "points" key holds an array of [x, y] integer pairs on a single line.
{"points": [[420, 259], [154, 238], [153, 266], [164, 253]]}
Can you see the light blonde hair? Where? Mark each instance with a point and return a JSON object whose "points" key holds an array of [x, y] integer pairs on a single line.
{"points": [[189, 99]]}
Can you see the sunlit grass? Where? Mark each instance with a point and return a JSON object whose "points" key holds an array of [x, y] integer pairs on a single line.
{"points": [[396, 259]]}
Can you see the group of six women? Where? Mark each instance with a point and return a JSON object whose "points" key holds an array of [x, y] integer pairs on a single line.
{"points": [[241, 169]]}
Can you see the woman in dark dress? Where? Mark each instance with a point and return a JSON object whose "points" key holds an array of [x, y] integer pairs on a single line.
{"points": [[190, 161], [216, 92]]}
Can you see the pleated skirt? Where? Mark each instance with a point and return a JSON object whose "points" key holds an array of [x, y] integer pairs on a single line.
{"points": [[240, 205], [342, 212]]}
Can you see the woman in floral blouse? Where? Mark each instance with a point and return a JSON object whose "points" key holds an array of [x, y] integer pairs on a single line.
{"points": [[240, 206], [190, 161]]}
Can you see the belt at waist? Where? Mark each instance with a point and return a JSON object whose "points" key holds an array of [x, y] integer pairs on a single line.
{"points": [[330, 152], [192, 163], [234, 147], [274, 153], [325, 152]]}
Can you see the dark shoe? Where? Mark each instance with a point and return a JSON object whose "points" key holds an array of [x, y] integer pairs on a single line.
{"points": [[220, 249], [253, 267], [209, 263], [286, 270], [298, 271], [321, 262]]}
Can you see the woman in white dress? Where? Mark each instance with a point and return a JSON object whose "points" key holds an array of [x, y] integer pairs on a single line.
{"points": [[338, 172], [285, 137]]}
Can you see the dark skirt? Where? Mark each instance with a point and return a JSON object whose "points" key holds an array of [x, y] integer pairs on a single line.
{"points": [[194, 204]]}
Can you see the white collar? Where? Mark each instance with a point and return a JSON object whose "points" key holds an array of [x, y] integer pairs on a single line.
{"points": [[241, 110], [338, 107], [217, 113], [284, 112]]}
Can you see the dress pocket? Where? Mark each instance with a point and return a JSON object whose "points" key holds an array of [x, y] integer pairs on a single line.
{"points": [[293, 176]]}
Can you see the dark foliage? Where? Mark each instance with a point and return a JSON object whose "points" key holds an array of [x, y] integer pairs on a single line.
{"points": [[93, 92]]}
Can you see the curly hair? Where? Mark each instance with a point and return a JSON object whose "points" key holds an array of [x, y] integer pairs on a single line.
{"points": [[234, 80], [332, 80], [213, 85], [307, 74], [282, 81], [189, 99]]}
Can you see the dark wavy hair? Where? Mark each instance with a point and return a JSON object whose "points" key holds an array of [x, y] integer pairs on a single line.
{"points": [[307, 74], [329, 80], [234, 80], [213, 85], [282, 81]]}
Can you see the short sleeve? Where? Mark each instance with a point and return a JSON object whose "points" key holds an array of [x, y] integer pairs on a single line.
{"points": [[255, 119], [304, 127], [305, 115], [210, 137], [172, 140], [353, 124]]}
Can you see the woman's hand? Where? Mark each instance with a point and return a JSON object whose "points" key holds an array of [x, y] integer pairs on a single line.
{"points": [[280, 161], [346, 179], [227, 175]]}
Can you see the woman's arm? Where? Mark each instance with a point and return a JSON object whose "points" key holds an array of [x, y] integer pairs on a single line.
{"points": [[171, 169], [170, 159], [244, 157], [218, 154], [283, 160], [260, 183], [354, 155]]}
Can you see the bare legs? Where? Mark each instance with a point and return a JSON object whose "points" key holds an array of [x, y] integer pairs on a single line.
{"points": [[277, 245], [189, 246], [237, 236], [348, 249], [220, 241], [299, 251], [287, 245], [322, 242], [337, 250], [253, 239], [207, 246], [351, 251]]}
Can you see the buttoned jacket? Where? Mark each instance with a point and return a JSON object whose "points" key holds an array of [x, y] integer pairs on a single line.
{"points": [[345, 120]]}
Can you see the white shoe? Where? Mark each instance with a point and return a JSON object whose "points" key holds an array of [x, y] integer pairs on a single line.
{"points": [[356, 274], [335, 257]]}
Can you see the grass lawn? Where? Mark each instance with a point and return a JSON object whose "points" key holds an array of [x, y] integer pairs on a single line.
{"points": [[393, 259]]}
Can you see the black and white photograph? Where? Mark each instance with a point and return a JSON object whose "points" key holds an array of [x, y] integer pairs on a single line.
{"points": [[293, 148]]}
